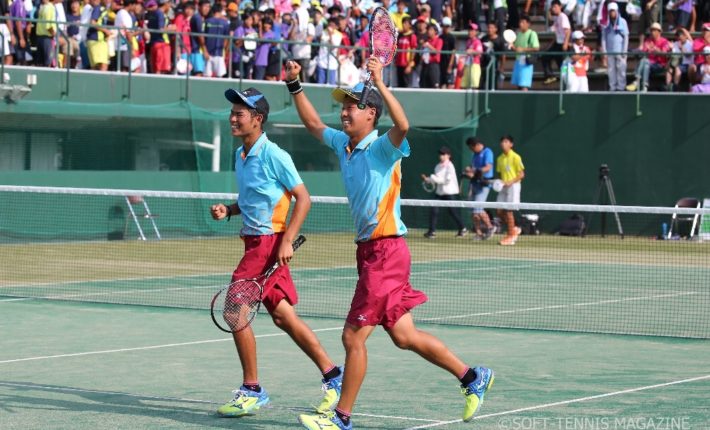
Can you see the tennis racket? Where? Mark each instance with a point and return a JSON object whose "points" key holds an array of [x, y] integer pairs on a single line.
{"points": [[383, 44], [239, 302], [429, 187]]}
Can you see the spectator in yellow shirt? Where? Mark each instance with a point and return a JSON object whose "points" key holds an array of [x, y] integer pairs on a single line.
{"points": [[46, 30], [401, 13], [511, 171]]}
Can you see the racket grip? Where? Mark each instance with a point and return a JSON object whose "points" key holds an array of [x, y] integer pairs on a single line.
{"points": [[365, 93], [298, 242]]}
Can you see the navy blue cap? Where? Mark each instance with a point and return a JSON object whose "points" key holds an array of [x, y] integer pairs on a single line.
{"points": [[252, 98]]}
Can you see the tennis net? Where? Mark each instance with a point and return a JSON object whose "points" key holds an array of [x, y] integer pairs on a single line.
{"points": [[85, 245]]}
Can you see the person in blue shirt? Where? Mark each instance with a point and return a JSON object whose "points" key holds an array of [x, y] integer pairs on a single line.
{"points": [[615, 39], [160, 54], [97, 37], [216, 25], [370, 165], [267, 180], [480, 174], [199, 54]]}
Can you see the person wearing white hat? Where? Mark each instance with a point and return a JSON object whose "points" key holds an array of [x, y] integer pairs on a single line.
{"points": [[577, 81], [447, 64], [651, 13], [615, 40]]}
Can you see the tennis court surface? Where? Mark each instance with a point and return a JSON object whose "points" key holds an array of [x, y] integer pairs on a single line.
{"points": [[583, 333]]}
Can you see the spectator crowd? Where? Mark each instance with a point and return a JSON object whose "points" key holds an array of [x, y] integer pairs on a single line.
{"points": [[253, 38]]}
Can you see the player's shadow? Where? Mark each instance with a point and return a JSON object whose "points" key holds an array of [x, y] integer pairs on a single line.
{"points": [[27, 396]]}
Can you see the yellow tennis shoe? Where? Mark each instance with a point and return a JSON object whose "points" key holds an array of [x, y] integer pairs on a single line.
{"points": [[244, 402], [331, 389], [475, 391], [326, 421]]}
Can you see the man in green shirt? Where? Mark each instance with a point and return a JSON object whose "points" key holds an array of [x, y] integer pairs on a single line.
{"points": [[525, 42]]}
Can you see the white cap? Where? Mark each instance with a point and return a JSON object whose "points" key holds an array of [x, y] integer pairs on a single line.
{"points": [[446, 21], [612, 6], [577, 35]]}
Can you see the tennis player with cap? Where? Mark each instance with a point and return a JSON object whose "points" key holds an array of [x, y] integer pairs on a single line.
{"points": [[371, 170], [267, 179]]}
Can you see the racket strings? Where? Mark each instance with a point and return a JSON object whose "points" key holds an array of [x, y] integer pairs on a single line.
{"points": [[241, 303], [383, 37]]}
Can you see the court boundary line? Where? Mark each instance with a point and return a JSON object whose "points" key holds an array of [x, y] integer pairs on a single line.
{"points": [[567, 402], [296, 272], [569, 305], [149, 347], [198, 401]]}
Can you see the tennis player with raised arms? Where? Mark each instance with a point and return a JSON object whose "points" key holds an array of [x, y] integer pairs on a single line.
{"points": [[267, 180], [371, 170]]}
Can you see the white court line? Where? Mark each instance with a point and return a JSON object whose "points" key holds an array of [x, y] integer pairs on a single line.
{"points": [[316, 279], [464, 269], [294, 271], [85, 281], [113, 393], [187, 400], [143, 348], [570, 305], [113, 293], [567, 402]]}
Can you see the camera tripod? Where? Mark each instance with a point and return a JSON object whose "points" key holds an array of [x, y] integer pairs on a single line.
{"points": [[605, 183]]}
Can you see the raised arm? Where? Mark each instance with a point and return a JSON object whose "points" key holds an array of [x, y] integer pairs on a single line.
{"points": [[400, 123], [306, 111]]}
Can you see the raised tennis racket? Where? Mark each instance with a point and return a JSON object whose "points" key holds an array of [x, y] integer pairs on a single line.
{"points": [[383, 44], [239, 302]]}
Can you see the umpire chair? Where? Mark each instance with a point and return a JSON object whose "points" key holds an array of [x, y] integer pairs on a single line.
{"points": [[686, 202], [139, 210]]}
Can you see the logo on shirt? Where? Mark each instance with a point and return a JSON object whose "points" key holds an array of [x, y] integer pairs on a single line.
{"points": [[361, 317]]}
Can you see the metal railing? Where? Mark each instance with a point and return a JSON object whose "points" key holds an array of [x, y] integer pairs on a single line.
{"points": [[489, 76]]}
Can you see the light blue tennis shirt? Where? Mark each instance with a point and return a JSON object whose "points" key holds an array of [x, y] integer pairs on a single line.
{"points": [[265, 177], [372, 175]]}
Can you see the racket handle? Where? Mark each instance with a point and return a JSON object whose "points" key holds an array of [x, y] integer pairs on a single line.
{"points": [[365, 93], [296, 244]]}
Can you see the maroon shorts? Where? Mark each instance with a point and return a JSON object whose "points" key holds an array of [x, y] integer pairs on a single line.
{"points": [[383, 293], [259, 255]]}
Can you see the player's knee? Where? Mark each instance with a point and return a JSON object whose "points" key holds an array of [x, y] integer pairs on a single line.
{"points": [[401, 341], [280, 321], [351, 342]]}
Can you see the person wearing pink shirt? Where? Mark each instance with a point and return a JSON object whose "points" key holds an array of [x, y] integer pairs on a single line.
{"points": [[472, 69], [655, 63], [698, 45]]}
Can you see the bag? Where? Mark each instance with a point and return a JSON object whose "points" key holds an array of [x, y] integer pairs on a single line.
{"points": [[573, 226], [529, 224], [634, 8]]}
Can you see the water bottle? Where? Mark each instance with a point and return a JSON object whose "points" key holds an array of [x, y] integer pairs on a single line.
{"points": [[664, 230]]}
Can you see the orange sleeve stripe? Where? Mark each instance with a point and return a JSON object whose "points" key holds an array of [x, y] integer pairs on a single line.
{"points": [[386, 220], [278, 219]]}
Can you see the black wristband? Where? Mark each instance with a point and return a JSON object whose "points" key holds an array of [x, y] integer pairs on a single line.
{"points": [[294, 86], [229, 212]]}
